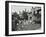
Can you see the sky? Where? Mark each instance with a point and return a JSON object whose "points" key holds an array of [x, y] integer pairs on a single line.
{"points": [[20, 8], [17, 8]]}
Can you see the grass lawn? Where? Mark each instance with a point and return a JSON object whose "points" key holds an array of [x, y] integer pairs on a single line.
{"points": [[28, 26]]}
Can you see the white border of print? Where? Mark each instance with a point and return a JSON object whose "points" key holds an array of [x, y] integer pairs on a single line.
{"points": [[30, 31]]}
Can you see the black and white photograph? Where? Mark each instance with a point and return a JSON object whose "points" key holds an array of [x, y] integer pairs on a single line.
{"points": [[24, 18]]}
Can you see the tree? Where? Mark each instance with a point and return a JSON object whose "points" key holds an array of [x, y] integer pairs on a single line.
{"points": [[15, 18], [24, 14]]}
